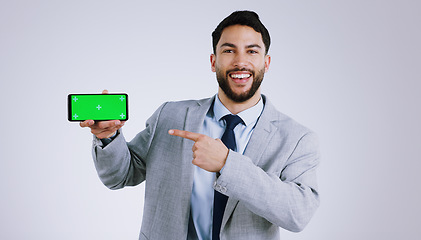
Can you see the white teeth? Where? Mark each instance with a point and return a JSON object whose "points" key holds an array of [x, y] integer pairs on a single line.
{"points": [[240, 75]]}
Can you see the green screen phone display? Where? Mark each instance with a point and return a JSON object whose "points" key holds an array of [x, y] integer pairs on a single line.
{"points": [[98, 107]]}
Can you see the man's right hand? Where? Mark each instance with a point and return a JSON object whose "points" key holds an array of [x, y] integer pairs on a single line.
{"points": [[103, 129]]}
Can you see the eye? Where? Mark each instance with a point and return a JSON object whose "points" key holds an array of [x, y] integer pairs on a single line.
{"points": [[253, 51], [228, 51]]}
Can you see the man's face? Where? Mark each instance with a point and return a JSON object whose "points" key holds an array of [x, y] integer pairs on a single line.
{"points": [[240, 62]]}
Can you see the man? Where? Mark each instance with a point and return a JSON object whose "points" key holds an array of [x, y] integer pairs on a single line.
{"points": [[207, 177]]}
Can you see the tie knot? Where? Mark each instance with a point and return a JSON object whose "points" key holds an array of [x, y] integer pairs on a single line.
{"points": [[232, 121]]}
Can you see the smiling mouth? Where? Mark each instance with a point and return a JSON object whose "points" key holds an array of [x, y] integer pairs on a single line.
{"points": [[240, 77]]}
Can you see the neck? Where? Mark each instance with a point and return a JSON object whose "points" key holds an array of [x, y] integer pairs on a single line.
{"points": [[236, 107]]}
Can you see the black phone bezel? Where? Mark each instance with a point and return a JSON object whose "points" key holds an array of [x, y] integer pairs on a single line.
{"points": [[69, 108]]}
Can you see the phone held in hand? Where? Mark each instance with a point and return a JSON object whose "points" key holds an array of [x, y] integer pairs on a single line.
{"points": [[97, 107]]}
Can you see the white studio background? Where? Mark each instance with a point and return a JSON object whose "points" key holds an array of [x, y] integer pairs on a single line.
{"points": [[349, 70]]}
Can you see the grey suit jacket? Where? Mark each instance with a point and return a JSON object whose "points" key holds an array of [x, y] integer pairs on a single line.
{"points": [[272, 185]]}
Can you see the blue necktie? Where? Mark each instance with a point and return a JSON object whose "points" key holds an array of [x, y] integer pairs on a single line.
{"points": [[220, 200]]}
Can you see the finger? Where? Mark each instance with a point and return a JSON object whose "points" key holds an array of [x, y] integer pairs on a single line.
{"points": [[185, 134], [104, 132], [87, 123], [105, 91], [108, 124]]}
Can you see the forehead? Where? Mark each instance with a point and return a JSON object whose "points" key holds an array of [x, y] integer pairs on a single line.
{"points": [[240, 36]]}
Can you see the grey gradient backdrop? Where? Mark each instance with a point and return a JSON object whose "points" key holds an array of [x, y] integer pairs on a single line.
{"points": [[349, 70]]}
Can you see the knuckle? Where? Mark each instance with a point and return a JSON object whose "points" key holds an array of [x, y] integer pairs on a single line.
{"points": [[197, 146], [197, 161]]}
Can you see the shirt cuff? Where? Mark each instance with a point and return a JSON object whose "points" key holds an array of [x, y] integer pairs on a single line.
{"points": [[106, 141]]}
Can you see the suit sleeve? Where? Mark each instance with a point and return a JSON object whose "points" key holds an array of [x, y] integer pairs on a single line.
{"points": [[287, 199], [121, 164]]}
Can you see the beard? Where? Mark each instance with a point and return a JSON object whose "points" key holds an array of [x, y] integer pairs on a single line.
{"points": [[244, 96]]}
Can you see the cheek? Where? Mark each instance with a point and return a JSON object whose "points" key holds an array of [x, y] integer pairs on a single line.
{"points": [[222, 63], [218, 68]]}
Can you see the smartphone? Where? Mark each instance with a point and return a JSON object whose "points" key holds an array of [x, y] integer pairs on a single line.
{"points": [[98, 107]]}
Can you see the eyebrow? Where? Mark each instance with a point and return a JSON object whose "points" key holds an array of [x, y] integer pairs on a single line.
{"points": [[248, 46], [254, 46]]}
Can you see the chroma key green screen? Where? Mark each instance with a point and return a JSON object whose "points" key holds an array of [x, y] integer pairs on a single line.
{"points": [[97, 107]]}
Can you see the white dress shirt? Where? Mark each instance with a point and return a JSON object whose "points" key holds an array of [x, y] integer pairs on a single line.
{"points": [[202, 193]]}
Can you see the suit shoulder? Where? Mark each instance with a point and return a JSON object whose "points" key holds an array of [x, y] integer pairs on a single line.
{"points": [[177, 110], [184, 104], [284, 123], [294, 132], [289, 122]]}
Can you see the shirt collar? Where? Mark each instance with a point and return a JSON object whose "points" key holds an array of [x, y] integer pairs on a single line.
{"points": [[249, 115]]}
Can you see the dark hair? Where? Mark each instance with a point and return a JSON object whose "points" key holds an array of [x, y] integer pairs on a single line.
{"points": [[246, 18]]}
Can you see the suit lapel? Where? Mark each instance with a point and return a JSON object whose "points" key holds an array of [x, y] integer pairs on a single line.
{"points": [[262, 134], [193, 122], [196, 115], [191, 119]]}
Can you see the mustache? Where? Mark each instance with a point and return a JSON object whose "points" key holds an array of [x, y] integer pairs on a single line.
{"points": [[240, 70]]}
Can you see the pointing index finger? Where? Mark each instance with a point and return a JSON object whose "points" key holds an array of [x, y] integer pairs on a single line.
{"points": [[185, 134]]}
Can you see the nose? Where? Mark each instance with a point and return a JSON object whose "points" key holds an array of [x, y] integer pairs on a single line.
{"points": [[240, 60]]}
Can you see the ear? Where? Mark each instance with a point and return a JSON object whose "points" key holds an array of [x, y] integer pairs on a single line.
{"points": [[267, 63], [212, 60]]}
